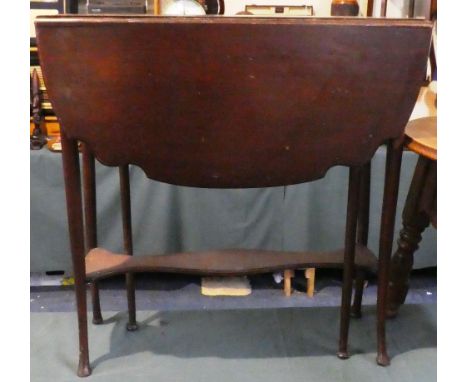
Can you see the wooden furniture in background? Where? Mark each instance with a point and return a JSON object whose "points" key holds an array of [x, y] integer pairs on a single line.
{"points": [[37, 135], [310, 276], [288, 275], [420, 207], [276, 116], [421, 203]]}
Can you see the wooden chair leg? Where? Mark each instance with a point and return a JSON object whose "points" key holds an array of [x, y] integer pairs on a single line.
{"points": [[362, 235], [349, 252], [89, 194], [128, 243], [310, 276], [387, 225], [414, 223], [288, 275], [71, 169]]}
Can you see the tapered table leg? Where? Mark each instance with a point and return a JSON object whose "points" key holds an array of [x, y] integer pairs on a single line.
{"points": [[128, 243], [387, 225], [349, 252], [71, 169], [362, 236], [89, 195]]}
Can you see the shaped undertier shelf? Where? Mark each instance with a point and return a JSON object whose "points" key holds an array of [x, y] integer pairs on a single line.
{"points": [[101, 263]]}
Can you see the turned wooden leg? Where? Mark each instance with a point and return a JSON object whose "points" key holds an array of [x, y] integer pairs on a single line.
{"points": [[392, 177], [288, 275], [310, 276], [89, 195], [71, 170], [415, 221], [128, 243], [349, 252], [362, 236]]}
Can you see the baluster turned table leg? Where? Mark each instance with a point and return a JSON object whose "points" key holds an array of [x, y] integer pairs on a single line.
{"points": [[128, 243], [89, 195], [349, 252], [71, 169], [415, 221], [362, 236], [387, 226]]}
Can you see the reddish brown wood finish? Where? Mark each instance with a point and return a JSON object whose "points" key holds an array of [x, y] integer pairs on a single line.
{"points": [[433, 10], [350, 249], [362, 235], [387, 226], [101, 263], [89, 195], [128, 243], [266, 102], [370, 8], [295, 85], [420, 210], [71, 171]]}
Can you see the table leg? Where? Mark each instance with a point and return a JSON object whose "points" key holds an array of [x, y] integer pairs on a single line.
{"points": [[387, 226], [349, 252], [89, 195], [128, 243], [362, 236], [415, 221], [71, 170]]}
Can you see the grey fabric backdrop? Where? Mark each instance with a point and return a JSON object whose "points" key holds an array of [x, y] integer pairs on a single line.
{"points": [[168, 218]]}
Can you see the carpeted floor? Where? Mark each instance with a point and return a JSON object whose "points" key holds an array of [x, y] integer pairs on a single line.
{"points": [[293, 344]]}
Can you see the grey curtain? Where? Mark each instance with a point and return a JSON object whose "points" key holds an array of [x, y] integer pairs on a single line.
{"points": [[169, 218]]}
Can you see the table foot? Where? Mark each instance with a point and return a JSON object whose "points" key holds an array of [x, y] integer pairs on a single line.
{"points": [[383, 359], [343, 354], [131, 327], [98, 320], [84, 370]]}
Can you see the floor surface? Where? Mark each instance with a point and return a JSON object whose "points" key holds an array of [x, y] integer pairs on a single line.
{"points": [[187, 337]]}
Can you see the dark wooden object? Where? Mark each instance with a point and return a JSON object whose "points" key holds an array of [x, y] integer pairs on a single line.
{"points": [[349, 254], [387, 225], [89, 195], [420, 208], [38, 138], [344, 8], [268, 102], [411, 5], [128, 242], [383, 8], [370, 8], [433, 10], [362, 235], [101, 263]]}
